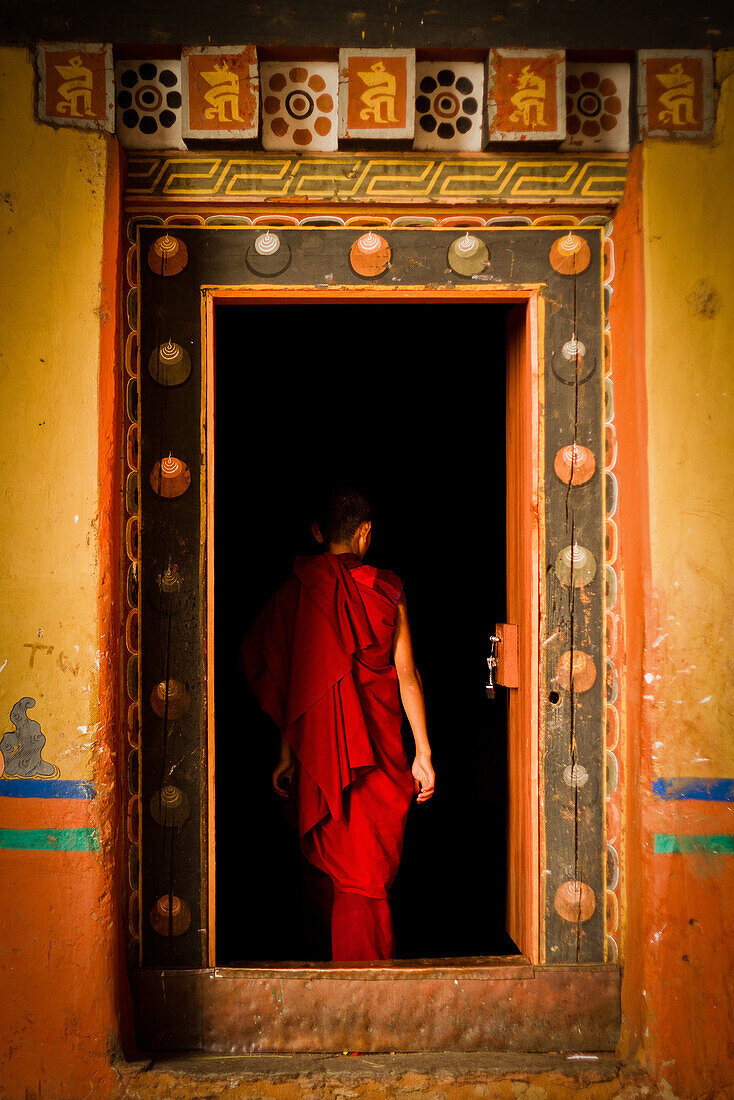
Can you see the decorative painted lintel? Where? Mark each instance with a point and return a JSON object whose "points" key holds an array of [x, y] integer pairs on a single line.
{"points": [[396, 178]]}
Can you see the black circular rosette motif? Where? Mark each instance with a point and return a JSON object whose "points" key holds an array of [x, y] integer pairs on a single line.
{"points": [[445, 104], [299, 104], [148, 98]]}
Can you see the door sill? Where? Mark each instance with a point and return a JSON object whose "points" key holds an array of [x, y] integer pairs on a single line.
{"points": [[487, 967], [418, 1075], [500, 1004]]}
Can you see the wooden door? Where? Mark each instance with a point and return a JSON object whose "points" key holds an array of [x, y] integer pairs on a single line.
{"points": [[522, 610]]}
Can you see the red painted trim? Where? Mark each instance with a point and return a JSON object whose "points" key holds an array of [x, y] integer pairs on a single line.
{"points": [[111, 758], [110, 503], [356, 295], [627, 317]]}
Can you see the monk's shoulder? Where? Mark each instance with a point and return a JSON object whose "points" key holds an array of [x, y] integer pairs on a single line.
{"points": [[382, 581], [309, 565], [289, 591], [389, 584]]}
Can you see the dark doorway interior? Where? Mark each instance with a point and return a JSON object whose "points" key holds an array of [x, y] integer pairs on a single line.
{"points": [[407, 402]]}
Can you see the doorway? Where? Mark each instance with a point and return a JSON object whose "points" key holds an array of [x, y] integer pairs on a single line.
{"points": [[407, 402]]}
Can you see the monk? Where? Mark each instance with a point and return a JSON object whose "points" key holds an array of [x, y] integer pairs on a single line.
{"points": [[331, 659]]}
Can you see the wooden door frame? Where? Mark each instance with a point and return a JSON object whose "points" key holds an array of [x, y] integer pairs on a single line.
{"points": [[181, 1002], [527, 360]]}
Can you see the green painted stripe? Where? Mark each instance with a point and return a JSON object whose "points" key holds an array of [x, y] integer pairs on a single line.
{"points": [[721, 844], [51, 840]]}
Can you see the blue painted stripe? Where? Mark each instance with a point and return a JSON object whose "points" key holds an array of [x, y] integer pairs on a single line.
{"points": [[705, 790], [50, 840], [45, 788]]}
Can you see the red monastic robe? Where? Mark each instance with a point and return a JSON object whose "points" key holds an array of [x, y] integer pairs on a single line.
{"points": [[319, 659]]}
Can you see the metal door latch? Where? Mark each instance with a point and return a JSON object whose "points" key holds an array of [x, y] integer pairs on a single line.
{"points": [[492, 664]]}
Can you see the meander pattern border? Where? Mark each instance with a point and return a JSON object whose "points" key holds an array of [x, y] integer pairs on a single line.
{"points": [[399, 178]]}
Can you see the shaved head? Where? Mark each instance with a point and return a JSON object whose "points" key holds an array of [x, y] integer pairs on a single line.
{"points": [[342, 513]]}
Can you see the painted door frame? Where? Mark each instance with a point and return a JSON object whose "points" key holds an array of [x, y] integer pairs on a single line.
{"points": [[560, 919]]}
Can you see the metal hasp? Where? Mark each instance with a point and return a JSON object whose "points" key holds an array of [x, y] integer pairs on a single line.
{"points": [[491, 665], [508, 657]]}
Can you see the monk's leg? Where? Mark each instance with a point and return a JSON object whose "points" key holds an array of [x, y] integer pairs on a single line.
{"points": [[361, 928]]}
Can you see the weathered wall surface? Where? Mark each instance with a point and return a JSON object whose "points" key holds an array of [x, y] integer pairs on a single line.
{"points": [[689, 228], [58, 976], [677, 231], [53, 184]]}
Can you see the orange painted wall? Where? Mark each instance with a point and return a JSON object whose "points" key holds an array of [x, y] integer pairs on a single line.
{"points": [[673, 386]]}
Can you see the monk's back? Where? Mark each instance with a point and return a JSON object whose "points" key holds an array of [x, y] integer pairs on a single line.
{"points": [[380, 591], [321, 660], [359, 601]]}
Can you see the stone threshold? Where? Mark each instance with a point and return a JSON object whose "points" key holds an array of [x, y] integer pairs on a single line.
{"points": [[435, 1076]]}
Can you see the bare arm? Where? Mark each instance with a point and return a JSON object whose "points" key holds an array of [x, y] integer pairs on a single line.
{"points": [[411, 695], [283, 774]]}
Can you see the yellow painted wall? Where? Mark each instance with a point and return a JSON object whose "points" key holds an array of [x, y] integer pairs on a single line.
{"points": [[689, 277], [52, 193], [61, 985], [679, 952]]}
